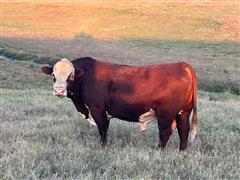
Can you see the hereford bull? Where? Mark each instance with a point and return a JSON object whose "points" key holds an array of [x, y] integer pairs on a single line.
{"points": [[102, 90]]}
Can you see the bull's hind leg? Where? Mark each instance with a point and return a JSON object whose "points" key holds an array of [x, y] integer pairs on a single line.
{"points": [[165, 128], [183, 126], [164, 135]]}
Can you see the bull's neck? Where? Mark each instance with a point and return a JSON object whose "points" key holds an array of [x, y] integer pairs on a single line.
{"points": [[87, 65]]}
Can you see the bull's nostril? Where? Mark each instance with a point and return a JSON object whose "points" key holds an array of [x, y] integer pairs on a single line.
{"points": [[62, 91]]}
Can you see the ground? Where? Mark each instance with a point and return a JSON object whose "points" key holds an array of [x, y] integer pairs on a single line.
{"points": [[43, 136]]}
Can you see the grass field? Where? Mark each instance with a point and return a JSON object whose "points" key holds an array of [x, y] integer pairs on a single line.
{"points": [[202, 33], [43, 137]]}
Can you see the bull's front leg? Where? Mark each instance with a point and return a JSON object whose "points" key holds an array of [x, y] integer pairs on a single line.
{"points": [[100, 117], [82, 109]]}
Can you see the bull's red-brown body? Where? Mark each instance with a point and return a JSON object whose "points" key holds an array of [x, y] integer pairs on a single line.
{"points": [[127, 92]]}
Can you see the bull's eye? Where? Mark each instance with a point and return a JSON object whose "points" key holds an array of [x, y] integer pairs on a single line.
{"points": [[70, 77], [54, 79]]}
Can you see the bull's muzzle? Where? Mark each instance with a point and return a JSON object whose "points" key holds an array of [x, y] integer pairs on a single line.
{"points": [[59, 91]]}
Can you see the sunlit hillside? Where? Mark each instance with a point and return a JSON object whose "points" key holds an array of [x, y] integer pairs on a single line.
{"points": [[167, 20]]}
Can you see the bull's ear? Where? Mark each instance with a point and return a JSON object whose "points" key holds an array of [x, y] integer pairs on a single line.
{"points": [[47, 70]]}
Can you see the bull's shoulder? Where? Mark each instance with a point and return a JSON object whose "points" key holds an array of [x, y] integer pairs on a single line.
{"points": [[85, 63]]}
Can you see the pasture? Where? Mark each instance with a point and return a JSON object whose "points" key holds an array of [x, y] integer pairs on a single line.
{"points": [[42, 136]]}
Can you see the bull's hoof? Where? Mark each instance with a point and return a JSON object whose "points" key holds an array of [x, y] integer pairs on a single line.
{"points": [[103, 144]]}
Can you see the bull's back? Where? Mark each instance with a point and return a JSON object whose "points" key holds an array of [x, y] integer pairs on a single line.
{"points": [[148, 84]]}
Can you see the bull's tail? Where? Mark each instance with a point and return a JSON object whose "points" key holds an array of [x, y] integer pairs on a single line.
{"points": [[194, 123]]}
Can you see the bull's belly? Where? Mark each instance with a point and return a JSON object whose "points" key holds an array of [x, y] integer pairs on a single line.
{"points": [[146, 118], [143, 120]]}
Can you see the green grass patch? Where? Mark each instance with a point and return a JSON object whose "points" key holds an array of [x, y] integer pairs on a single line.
{"points": [[13, 55], [221, 48], [22, 75], [235, 90], [219, 88]]}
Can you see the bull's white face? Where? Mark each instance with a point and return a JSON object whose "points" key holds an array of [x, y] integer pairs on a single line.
{"points": [[63, 72]]}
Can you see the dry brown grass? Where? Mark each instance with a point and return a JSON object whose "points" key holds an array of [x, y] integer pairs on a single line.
{"points": [[169, 20]]}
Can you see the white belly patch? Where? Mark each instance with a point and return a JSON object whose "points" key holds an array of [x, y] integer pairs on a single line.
{"points": [[146, 118]]}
